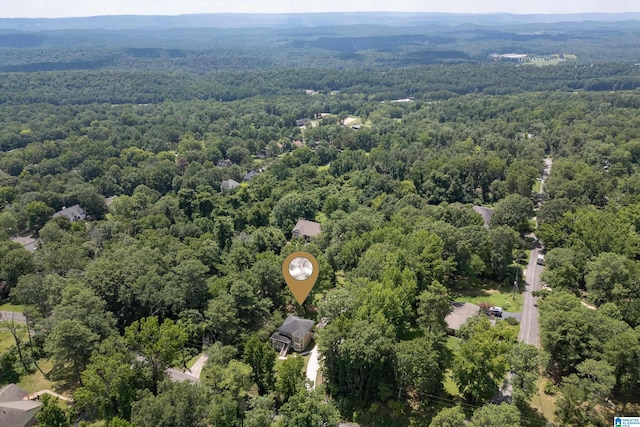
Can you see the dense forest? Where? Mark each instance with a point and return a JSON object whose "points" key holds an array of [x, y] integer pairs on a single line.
{"points": [[167, 263]]}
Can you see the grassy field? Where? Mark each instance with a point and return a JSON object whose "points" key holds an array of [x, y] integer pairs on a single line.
{"points": [[6, 340], [36, 381], [505, 299], [11, 307], [544, 403], [453, 344]]}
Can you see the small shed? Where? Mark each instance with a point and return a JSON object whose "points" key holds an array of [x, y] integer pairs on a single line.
{"points": [[306, 229], [229, 184]]}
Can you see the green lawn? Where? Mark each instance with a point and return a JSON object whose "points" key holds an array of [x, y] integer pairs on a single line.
{"points": [[11, 307], [544, 403], [323, 168], [507, 300], [536, 186], [6, 340]]}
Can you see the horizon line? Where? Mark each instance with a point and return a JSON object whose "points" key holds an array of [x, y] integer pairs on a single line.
{"points": [[326, 13]]}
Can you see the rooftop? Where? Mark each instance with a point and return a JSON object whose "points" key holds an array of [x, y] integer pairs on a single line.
{"points": [[296, 326], [460, 313], [306, 228], [72, 213]]}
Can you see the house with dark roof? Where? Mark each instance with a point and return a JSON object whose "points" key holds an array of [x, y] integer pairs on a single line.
{"points": [[16, 410], [459, 314], [306, 229], [224, 163], [229, 184], [302, 122], [295, 332], [72, 213], [249, 176]]}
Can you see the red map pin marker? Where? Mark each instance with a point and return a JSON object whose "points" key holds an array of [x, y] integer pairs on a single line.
{"points": [[300, 271]]}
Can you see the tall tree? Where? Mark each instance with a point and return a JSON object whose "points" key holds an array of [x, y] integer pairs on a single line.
{"points": [[262, 358], [503, 415], [433, 306], [290, 378], [50, 414], [480, 365], [38, 213], [159, 345], [110, 381], [419, 365], [71, 341], [179, 404], [307, 409], [448, 417], [514, 211]]}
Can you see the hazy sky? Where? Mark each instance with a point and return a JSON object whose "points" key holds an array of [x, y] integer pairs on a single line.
{"points": [[66, 8]]}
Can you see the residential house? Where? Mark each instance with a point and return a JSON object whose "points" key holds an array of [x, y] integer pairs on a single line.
{"points": [[298, 144], [306, 229], [295, 332], [302, 122], [249, 176], [224, 163], [16, 410], [229, 184], [459, 314], [72, 213]]}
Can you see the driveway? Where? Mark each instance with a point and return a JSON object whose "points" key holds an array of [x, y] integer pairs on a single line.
{"points": [[313, 366], [13, 315]]}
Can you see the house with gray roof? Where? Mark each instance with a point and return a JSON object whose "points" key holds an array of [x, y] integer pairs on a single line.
{"points": [[306, 229], [16, 410], [295, 332], [72, 213], [249, 176], [229, 184], [459, 314]]}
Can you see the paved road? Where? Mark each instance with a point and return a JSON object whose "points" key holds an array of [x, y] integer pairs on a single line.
{"points": [[196, 369], [529, 330], [16, 316]]}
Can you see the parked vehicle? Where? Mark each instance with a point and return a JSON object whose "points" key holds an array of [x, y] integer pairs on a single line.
{"points": [[495, 311]]}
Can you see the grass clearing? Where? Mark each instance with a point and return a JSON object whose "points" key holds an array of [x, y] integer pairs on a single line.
{"points": [[6, 340], [507, 300], [12, 308], [536, 186], [36, 381], [544, 403]]}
